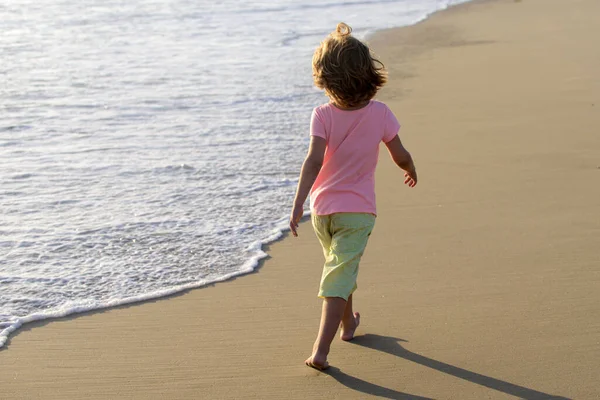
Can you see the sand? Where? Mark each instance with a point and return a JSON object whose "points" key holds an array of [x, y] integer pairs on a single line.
{"points": [[481, 283]]}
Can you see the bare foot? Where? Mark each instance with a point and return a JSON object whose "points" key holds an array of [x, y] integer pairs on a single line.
{"points": [[348, 330], [317, 362]]}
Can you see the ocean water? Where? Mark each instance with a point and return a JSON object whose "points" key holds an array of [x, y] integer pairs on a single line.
{"points": [[147, 147]]}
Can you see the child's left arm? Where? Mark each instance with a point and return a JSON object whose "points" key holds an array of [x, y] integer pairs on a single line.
{"points": [[310, 170]]}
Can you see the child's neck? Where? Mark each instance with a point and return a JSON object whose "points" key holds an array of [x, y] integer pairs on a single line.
{"points": [[358, 107]]}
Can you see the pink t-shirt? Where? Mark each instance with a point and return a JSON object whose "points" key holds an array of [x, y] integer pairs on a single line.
{"points": [[346, 182]]}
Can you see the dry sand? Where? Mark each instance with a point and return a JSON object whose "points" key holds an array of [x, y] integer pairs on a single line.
{"points": [[481, 283]]}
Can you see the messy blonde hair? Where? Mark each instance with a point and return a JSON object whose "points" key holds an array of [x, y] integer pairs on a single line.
{"points": [[345, 68]]}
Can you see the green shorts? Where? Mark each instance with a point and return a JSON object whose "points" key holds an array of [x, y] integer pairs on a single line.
{"points": [[344, 237]]}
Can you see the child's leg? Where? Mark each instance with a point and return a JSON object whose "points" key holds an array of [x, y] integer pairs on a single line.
{"points": [[350, 321], [331, 316], [344, 237]]}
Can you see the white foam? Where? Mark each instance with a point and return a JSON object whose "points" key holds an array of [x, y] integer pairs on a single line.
{"points": [[281, 226]]}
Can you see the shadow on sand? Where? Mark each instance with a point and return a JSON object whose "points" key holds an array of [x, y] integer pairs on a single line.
{"points": [[391, 345], [369, 388]]}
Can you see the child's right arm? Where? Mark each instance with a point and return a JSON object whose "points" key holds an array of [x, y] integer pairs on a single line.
{"points": [[403, 159]]}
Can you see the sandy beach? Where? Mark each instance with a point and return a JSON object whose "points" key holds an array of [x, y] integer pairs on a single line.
{"points": [[481, 283]]}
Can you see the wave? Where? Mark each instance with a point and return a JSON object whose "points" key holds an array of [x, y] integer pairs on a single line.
{"points": [[14, 323]]}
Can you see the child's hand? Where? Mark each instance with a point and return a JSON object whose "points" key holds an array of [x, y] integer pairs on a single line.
{"points": [[295, 218], [411, 178]]}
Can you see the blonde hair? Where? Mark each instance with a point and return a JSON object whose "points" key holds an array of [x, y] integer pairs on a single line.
{"points": [[345, 68]]}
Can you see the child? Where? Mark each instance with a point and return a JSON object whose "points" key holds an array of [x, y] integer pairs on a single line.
{"points": [[339, 172]]}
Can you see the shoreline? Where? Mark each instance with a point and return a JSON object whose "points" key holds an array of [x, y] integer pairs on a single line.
{"points": [[252, 265], [481, 283]]}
